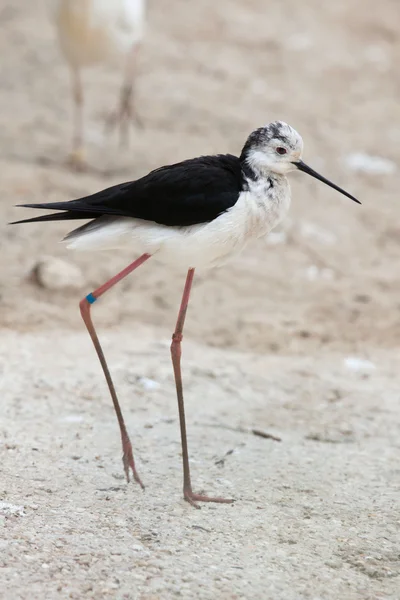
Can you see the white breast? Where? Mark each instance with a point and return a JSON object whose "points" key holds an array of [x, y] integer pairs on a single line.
{"points": [[255, 213], [269, 202], [93, 31]]}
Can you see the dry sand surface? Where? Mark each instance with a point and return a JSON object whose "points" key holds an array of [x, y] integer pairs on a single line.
{"points": [[298, 338]]}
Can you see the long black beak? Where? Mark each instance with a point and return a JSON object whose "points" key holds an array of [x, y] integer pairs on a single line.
{"points": [[306, 169]]}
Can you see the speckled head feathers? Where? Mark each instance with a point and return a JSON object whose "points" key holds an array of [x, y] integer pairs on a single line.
{"points": [[273, 147], [274, 151]]}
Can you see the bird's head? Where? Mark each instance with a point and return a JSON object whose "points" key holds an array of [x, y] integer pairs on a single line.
{"points": [[277, 149], [273, 148]]}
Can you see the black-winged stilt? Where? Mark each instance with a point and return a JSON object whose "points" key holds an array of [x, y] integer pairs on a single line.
{"points": [[94, 32], [195, 213]]}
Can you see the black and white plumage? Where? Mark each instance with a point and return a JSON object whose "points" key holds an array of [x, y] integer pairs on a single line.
{"points": [[187, 193], [196, 213]]}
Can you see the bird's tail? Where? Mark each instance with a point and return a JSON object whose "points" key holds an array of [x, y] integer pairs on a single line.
{"points": [[68, 214], [103, 231]]}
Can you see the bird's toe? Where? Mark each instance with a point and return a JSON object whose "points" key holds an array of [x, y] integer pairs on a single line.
{"points": [[193, 498]]}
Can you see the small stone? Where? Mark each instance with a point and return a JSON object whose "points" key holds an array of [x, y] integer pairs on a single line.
{"points": [[148, 384], [56, 274], [358, 364], [373, 165], [7, 509], [276, 237]]}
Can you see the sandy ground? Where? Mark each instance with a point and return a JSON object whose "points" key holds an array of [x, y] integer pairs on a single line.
{"points": [[298, 337]]}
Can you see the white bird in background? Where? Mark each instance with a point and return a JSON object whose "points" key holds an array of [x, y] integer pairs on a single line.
{"points": [[95, 32]]}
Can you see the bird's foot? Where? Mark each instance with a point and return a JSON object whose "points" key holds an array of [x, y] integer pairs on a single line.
{"points": [[76, 160], [193, 498], [129, 463]]}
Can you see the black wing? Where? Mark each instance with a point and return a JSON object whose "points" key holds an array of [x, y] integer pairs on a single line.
{"points": [[186, 193]]}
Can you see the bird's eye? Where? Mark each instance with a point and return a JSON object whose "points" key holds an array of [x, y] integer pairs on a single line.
{"points": [[281, 150]]}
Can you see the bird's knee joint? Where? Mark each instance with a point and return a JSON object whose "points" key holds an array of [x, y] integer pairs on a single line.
{"points": [[90, 298], [86, 302], [176, 338], [176, 345]]}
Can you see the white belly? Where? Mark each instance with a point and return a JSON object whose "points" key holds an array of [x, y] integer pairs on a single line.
{"points": [[94, 31], [193, 246], [204, 245]]}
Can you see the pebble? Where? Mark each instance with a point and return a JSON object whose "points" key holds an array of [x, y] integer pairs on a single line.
{"points": [[275, 238], [313, 273], [358, 364], [56, 274], [148, 384], [366, 163], [8, 509]]}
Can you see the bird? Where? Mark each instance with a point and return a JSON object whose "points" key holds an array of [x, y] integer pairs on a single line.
{"points": [[197, 213], [94, 32]]}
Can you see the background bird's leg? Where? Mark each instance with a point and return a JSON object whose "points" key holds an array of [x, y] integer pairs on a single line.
{"points": [[76, 158], [176, 353], [85, 305], [126, 111]]}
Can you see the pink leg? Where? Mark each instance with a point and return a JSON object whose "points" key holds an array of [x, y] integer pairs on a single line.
{"points": [[84, 305], [176, 354]]}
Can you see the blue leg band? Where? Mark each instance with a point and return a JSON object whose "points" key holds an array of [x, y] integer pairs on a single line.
{"points": [[90, 298]]}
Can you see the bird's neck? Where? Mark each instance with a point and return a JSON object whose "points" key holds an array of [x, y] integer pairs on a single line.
{"points": [[255, 170], [270, 200], [260, 177]]}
